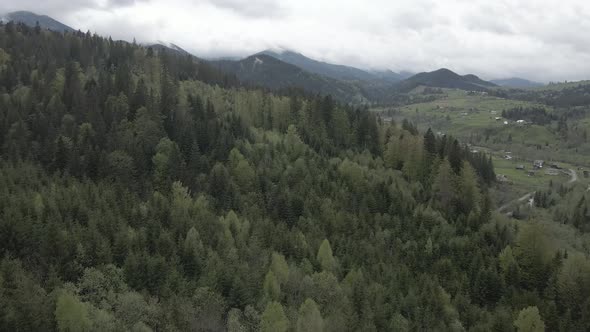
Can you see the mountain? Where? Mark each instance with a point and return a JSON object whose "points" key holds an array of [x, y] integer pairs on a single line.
{"points": [[516, 82], [170, 47], [339, 72], [389, 76], [267, 71], [445, 78], [31, 19]]}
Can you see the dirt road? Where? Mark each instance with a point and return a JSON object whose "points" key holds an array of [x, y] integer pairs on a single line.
{"points": [[573, 178]]}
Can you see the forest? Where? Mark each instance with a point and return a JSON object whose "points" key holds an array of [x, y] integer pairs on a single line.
{"points": [[143, 190]]}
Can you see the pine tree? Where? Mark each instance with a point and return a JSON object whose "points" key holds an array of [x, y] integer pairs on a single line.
{"points": [[309, 318], [325, 258], [274, 319], [529, 320]]}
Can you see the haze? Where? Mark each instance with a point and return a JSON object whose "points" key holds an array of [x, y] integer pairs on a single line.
{"points": [[538, 40]]}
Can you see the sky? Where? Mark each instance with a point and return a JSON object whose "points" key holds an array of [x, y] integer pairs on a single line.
{"points": [[542, 40]]}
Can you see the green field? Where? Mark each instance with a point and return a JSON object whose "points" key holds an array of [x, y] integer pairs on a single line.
{"points": [[472, 119], [522, 179]]}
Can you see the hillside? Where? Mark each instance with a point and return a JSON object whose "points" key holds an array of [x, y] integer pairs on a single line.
{"points": [[149, 191], [445, 78], [31, 19], [266, 71]]}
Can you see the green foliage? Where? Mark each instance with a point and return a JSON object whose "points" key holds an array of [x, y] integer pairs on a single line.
{"points": [[279, 267], [533, 254], [529, 320], [272, 288], [71, 314], [325, 257], [273, 318], [573, 282], [309, 318], [141, 190]]}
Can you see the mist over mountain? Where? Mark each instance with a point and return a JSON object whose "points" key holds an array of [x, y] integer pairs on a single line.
{"points": [[339, 72], [280, 69], [516, 82], [146, 189], [31, 19], [171, 47], [267, 71]]}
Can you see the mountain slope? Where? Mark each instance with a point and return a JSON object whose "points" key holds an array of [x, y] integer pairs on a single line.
{"points": [[267, 71], [339, 72], [31, 19], [169, 47], [445, 78], [516, 82]]}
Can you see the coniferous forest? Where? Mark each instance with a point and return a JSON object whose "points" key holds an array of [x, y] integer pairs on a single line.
{"points": [[144, 190]]}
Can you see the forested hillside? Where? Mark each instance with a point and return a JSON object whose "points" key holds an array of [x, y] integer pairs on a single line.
{"points": [[142, 190]]}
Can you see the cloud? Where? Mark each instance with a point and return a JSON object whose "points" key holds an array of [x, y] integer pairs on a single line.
{"points": [[539, 39], [251, 8]]}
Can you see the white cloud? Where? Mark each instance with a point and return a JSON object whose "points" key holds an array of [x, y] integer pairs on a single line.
{"points": [[539, 39]]}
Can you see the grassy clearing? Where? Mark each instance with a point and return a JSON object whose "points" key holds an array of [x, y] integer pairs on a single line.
{"points": [[522, 179], [472, 119]]}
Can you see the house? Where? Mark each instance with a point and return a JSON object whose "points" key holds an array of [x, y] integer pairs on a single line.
{"points": [[520, 122], [520, 167], [508, 157], [538, 164], [505, 122], [498, 118]]}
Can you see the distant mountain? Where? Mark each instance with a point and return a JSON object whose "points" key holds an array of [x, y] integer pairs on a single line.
{"points": [[160, 45], [390, 76], [516, 82], [268, 71], [339, 72], [406, 74], [31, 19], [445, 78]]}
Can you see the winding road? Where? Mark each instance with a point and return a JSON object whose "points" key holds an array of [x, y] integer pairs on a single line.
{"points": [[573, 178]]}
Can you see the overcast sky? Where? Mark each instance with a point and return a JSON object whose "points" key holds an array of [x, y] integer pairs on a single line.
{"points": [[543, 40]]}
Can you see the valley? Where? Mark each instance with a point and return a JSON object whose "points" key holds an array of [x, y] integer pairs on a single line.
{"points": [[554, 134]]}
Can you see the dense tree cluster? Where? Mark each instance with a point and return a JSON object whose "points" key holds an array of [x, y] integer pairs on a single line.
{"points": [[566, 97], [567, 204], [536, 115], [141, 190]]}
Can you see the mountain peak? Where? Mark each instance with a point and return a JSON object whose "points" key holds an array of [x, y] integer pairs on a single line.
{"points": [[446, 78], [444, 71], [31, 19], [339, 72]]}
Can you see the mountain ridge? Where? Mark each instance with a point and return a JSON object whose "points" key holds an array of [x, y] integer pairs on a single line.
{"points": [[336, 71], [267, 71], [516, 82], [445, 78], [31, 19]]}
